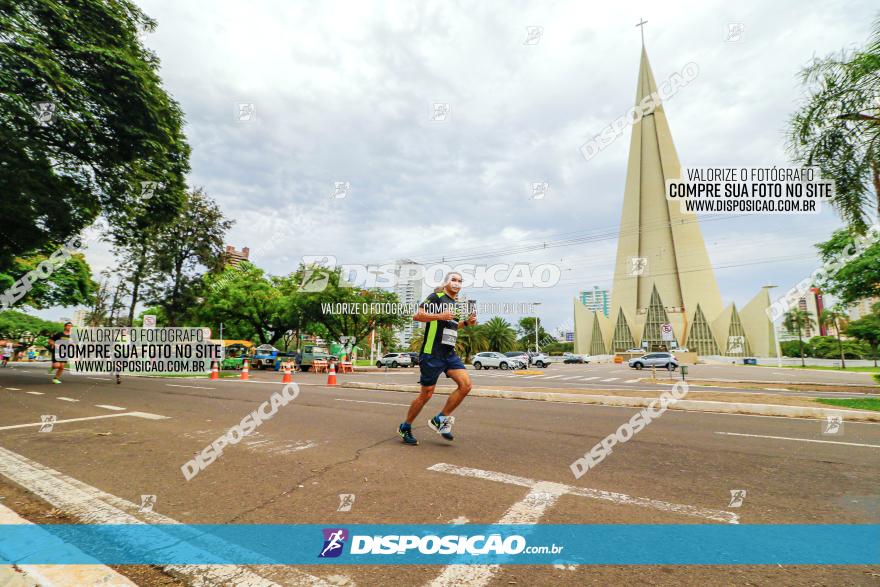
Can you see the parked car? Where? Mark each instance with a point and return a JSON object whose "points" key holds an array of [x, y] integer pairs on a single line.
{"points": [[496, 360], [572, 358], [665, 360], [394, 360], [521, 355], [539, 360], [414, 359], [264, 357]]}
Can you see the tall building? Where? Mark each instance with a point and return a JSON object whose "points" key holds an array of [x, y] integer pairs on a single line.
{"points": [[233, 257], [597, 300], [663, 274], [409, 291], [862, 308], [79, 317]]}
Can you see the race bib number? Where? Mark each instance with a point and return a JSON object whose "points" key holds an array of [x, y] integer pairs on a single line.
{"points": [[450, 337]]}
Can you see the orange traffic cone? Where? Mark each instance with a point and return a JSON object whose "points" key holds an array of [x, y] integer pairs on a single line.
{"points": [[215, 373], [245, 372], [287, 376], [331, 375]]}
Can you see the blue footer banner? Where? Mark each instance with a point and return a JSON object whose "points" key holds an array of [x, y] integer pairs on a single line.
{"points": [[393, 544]]}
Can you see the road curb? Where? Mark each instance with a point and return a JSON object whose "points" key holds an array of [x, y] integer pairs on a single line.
{"points": [[641, 402]]}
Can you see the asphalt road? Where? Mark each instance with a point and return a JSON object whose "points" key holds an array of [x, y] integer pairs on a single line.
{"points": [[333, 441]]}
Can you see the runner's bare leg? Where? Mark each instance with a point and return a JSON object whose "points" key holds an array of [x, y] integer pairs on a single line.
{"points": [[419, 403], [463, 380]]}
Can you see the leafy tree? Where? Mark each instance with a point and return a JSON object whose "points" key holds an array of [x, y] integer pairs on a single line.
{"points": [[793, 348], [471, 340], [193, 238], [838, 129], [527, 332], [867, 329], [25, 328], [83, 121], [499, 335], [860, 277], [836, 318], [69, 284], [797, 320]]}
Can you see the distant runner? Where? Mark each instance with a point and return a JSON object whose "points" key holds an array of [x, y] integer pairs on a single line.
{"points": [[56, 364], [7, 353], [442, 317]]}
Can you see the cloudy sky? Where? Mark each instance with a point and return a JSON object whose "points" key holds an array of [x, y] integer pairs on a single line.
{"points": [[343, 91]]}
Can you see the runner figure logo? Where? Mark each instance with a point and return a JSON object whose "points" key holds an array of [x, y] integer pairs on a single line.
{"points": [[147, 503], [833, 425], [737, 496], [346, 500], [48, 423], [334, 541]]}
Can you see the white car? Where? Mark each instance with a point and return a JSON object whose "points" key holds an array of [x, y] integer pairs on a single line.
{"points": [[540, 360], [496, 360], [395, 360]]}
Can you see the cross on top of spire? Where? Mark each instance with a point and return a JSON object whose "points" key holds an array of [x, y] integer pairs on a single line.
{"points": [[642, 26]]}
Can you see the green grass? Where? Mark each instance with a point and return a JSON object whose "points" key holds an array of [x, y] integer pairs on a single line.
{"points": [[868, 403]]}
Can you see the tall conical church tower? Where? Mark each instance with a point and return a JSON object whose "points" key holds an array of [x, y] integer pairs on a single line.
{"points": [[662, 273]]}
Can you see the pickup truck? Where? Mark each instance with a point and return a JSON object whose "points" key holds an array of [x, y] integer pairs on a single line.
{"points": [[264, 357], [311, 352]]}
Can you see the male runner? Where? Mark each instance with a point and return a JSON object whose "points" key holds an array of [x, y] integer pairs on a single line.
{"points": [[59, 365], [441, 316], [7, 353]]}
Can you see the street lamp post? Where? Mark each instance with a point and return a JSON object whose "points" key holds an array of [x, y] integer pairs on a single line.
{"points": [[537, 326]]}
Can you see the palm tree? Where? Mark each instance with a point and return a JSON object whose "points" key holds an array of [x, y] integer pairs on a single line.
{"points": [[415, 343], [471, 340], [838, 128], [796, 320], [836, 317], [499, 335]]}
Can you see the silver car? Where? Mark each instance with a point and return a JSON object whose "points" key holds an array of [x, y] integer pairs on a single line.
{"points": [[497, 360], [663, 360], [394, 360]]}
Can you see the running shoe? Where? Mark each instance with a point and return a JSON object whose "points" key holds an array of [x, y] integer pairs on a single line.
{"points": [[56, 380], [407, 435], [443, 426]]}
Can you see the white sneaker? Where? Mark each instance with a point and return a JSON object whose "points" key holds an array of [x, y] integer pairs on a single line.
{"points": [[444, 428]]}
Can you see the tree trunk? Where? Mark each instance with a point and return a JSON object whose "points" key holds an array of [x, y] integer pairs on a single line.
{"points": [[135, 286], [801, 345], [840, 346]]}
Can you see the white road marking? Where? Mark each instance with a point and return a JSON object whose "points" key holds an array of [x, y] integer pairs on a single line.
{"points": [[13, 389], [363, 401], [541, 496], [619, 498], [533, 376], [589, 378], [553, 377], [93, 506], [67, 399], [573, 377], [529, 510], [189, 386], [800, 439], [632, 380], [63, 575], [108, 407], [35, 392], [144, 415], [611, 379]]}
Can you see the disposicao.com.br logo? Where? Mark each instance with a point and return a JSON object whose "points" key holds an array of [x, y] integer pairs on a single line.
{"points": [[452, 544]]}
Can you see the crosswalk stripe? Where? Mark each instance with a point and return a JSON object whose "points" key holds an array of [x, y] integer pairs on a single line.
{"points": [[611, 379], [588, 378], [67, 399]]}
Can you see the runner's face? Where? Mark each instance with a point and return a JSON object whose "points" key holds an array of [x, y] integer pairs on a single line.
{"points": [[67, 328], [453, 286]]}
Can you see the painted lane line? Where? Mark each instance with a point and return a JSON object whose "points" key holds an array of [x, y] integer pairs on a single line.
{"points": [[67, 399], [541, 496], [632, 380], [588, 378], [619, 498], [145, 415], [362, 401], [35, 392], [800, 439], [553, 377], [93, 506], [610, 379], [63, 575], [570, 378], [188, 386], [108, 407], [13, 389]]}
